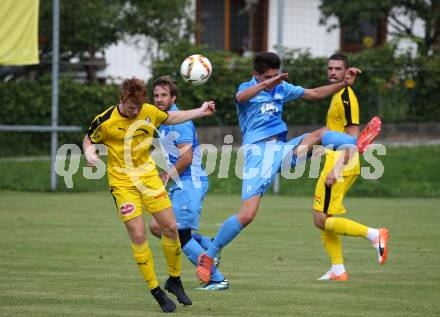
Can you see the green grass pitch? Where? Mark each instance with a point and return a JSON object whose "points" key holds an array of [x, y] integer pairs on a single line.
{"points": [[68, 255]]}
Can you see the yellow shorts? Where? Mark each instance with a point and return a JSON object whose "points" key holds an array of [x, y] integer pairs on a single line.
{"points": [[328, 199], [130, 200]]}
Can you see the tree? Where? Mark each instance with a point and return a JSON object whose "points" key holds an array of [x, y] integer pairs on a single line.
{"points": [[88, 27], [400, 14], [163, 21]]}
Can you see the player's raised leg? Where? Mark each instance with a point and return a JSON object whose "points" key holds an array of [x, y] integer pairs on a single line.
{"points": [[193, 250], [339, 140], [347, 227], [204, 241], [369, 133], [227, 232], [323, 136], [173, 253]]}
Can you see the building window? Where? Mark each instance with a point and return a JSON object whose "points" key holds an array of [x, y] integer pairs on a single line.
{"points": [[367, 34], [232, 25]]}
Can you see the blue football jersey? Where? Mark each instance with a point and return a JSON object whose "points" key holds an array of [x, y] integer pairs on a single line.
{"points": [[183, 133], [260, 117]]}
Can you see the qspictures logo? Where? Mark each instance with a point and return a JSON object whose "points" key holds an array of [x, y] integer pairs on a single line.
{"points": [[218, 161]]}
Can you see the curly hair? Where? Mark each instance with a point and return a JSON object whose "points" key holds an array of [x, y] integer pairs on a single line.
{"points": [[133, 89]]}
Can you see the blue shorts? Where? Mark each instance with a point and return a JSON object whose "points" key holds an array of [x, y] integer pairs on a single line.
{"points": [[187, 202], [262, 161]]}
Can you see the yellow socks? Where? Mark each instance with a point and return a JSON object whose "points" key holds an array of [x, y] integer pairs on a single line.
{"points": [[173, 253], [144, 259], [346, 227], [333, 245]]}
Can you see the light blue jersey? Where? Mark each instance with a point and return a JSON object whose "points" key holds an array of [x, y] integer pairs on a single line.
{"points": [[183, 133], [188, 192], [260, 117]]}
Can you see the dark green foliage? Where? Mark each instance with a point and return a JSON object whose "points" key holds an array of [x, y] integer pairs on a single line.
{"points": [[399, 14], [384, 88], [29, 103]]}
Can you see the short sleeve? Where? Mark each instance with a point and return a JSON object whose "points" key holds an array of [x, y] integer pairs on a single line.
{"points": [[98, 135], [240, 89], [96, 131], [161, 116], [351, 107], [292, 92], [185, 133]]}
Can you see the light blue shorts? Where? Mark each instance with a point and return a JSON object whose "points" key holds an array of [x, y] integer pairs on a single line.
{"points": [[187, 202], [262, 161]]}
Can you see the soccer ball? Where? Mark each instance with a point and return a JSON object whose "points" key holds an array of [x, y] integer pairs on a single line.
{"points": [[196, 69]]}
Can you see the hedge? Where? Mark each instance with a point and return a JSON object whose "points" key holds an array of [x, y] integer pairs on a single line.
{"points": [[398, 88], [29, 103]]}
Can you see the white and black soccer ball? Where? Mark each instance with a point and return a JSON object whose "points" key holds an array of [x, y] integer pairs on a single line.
{"points": [[196, 69]]}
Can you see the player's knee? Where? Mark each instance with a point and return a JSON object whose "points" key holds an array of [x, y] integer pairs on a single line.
{"points": [[245, 219], [138, 237], [322, 131], [319, 219], [155, 229], [319, 224], [170, 230]]}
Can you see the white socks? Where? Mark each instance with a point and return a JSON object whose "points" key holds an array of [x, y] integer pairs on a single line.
{"points": [[372, 234], [338, 269]]}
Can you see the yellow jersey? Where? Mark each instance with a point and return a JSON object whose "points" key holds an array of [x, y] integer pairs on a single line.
{"points": [[128, 142], [343, 111]]}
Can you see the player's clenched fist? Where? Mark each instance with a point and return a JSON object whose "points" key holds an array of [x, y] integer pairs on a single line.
{"points": [[207, 108]]}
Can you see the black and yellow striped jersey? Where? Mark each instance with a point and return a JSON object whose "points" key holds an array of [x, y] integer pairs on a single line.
{"points": [[343, 112], [128, 142]]}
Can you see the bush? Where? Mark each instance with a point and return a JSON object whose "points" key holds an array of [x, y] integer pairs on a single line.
{"points": [[398, 88], [29, 103]]}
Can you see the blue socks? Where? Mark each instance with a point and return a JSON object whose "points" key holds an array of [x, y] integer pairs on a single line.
{"points": [[228, 231], [204, 241], [192, 250], [337, 140]]}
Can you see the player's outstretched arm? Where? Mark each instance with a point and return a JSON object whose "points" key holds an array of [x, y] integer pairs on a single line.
{"points": [[252, 91], [90, 151], [176, 117], [328, 90]]}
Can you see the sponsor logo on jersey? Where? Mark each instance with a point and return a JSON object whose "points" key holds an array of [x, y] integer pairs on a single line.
{"points": [[278, 96], [127, 209], [268, 108], [318, 199]]}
